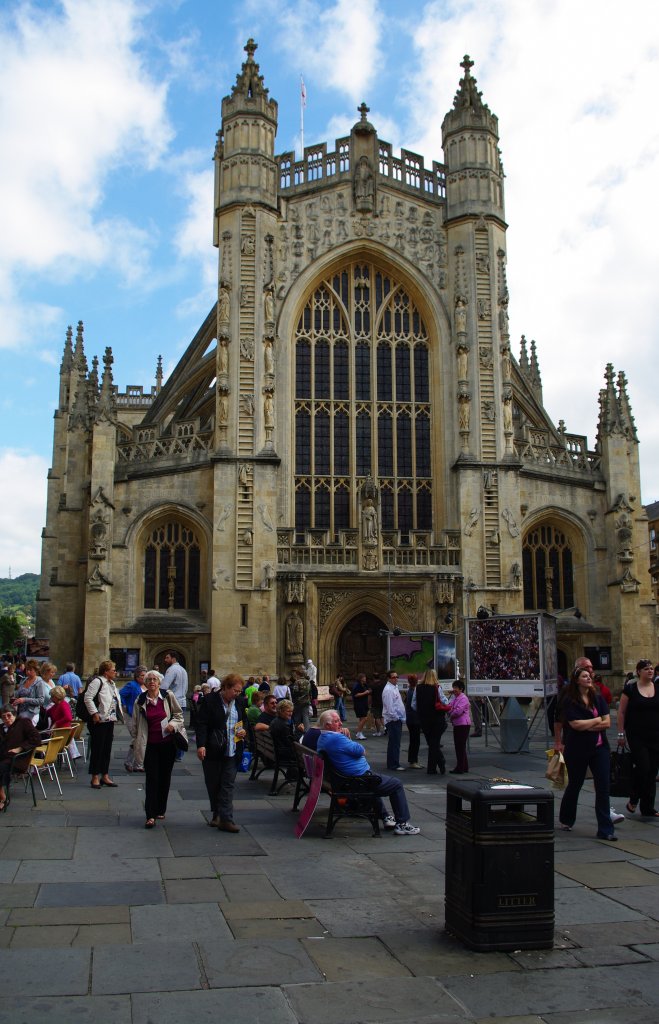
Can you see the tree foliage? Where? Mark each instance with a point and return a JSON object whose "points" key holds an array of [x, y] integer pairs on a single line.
{"points": [[19, 594]]}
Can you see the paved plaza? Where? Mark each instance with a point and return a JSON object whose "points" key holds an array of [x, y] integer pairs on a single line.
{"points": [[105, 922]]}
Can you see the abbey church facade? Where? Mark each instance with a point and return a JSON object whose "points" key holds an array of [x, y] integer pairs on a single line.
{"points": [[350, 445]]}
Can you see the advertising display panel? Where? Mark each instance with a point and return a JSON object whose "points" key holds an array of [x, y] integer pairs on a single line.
{"points": [[511, 655]]}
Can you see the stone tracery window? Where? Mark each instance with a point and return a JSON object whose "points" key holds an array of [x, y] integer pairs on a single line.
{"points": [[171, 567], [362, 403], [548, 569]]}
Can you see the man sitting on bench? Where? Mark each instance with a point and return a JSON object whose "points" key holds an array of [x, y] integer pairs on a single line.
{"points": [[347, 757]]}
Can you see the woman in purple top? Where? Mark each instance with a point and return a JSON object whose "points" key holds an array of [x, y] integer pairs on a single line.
{"points": [[156, 716], [459, 713]]}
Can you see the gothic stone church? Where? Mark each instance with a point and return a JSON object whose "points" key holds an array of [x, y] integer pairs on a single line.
{"points": [[349, 445]]}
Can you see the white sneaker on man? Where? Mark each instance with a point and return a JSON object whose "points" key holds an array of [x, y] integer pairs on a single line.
{"points": [[616, 816], [389, 821], [403, 828], [359, 736]]}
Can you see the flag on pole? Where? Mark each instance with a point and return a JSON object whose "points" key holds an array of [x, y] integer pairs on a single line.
{"points": [[303, 92]]}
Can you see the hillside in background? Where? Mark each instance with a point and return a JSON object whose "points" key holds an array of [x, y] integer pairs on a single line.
{"points": [[20, 593]]}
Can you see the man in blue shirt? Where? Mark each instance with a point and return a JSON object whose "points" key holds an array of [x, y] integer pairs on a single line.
{"points": [[347, 757], [71, 682]]}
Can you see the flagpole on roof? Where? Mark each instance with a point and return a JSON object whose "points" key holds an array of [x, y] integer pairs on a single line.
{"points": [[303, 103]]}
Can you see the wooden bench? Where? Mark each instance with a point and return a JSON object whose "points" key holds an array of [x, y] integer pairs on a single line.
{"points": [[265, 758], [349, 797]]}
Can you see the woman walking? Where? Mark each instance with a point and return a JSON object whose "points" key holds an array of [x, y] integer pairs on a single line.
{"points": [[104, 709], [586, 718], [638, 719], [157, 715]]}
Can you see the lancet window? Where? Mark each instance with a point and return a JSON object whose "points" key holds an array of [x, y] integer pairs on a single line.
{"points": [[548, 569], [171, 567], [362, 403]]}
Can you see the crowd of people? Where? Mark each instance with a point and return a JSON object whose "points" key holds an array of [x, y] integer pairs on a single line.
{"points": [[226, 714]]}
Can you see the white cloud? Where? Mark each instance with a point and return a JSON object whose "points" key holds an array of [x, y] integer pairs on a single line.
{"points": [[335, 44], [571, 84], [193, 239], [24, 476], [82, 103]]}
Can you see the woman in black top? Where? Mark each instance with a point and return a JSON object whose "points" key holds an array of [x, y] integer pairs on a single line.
{"points": [[585, 717], [638, 719]]}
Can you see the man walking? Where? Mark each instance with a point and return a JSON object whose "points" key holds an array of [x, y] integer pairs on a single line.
{"points": [[176, 680], [393, 713]]}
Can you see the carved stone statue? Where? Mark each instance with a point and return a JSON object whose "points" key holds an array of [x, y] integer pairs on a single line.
{"points": [[364, 185], [268, 357], [505, 362], [223, 356], [464, 412], [223, 410], [463, 356], [268, 411], [369, 523], [269, 305], [508, 415], [224, 305], [294, 633], [268, 576], [516, 574], [461, 315], [472, 519]]}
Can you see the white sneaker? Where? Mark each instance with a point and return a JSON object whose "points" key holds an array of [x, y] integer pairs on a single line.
{"points": [[359, 736], [400, 768], [389, 821], [616, 817], [403, 828], [416, 765]]}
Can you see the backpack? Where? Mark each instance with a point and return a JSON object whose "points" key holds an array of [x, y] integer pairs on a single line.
{"points": [[81, 708]]}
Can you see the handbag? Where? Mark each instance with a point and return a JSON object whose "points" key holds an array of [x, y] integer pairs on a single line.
{"points": [[556, 769], [620, 772], [181, 739], [218, 741]]}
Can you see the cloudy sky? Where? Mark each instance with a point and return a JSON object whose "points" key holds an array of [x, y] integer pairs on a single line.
{"points": [[107, 124]]}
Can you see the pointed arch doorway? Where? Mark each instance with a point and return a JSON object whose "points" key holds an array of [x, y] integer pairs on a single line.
{"points": [[360, 648]]}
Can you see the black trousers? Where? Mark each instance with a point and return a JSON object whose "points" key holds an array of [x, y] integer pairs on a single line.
{"points": [[415, 740], [220, 777], [100, 747], [644, 775], [433, 729], [158, 764]]}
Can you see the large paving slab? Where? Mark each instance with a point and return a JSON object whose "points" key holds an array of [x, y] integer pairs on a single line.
{"points": [[352, 959], [235, 1005], [110, 869], [362, 916], [64, 973], [40, 844], [609, 875], [180, 922], [271, 962], [70, 1009], [69, 894], [404, 1001], [146, 967]]}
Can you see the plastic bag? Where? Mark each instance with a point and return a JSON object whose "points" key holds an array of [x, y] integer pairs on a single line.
{"points": [[556, 769], [245, 761]]}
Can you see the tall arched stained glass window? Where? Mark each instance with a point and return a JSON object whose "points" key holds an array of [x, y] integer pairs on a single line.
{"points": [[362, 403], [171, 566], [548, 569]]}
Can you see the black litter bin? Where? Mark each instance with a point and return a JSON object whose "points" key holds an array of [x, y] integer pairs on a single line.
{"points": [[500, 866]]}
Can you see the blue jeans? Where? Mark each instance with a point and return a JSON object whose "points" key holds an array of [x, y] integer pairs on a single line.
{"points": [[577, 764], [339, 705], [393, 788], [394, 734]]}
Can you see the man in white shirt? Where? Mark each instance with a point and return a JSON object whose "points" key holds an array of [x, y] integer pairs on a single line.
{"points": [[393, 713], [175, 680]]}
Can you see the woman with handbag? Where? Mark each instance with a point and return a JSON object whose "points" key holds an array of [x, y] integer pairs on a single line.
{"points": [[585, 717], [33, 695], [157, 721], [103, 707], [638, 720], [432, 705]]}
